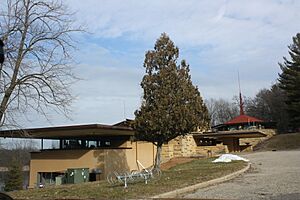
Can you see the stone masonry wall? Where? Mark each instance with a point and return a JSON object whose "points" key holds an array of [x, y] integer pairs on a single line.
{"points": [[182, 146], [209, 151], [185, 146], [255, 141]]}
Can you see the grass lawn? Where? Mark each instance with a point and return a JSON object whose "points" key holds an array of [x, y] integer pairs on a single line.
{"points": [[182, 175], [287, 141]]}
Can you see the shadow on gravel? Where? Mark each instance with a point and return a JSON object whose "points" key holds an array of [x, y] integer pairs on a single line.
{"points": [[292, 196], [5, 197]]}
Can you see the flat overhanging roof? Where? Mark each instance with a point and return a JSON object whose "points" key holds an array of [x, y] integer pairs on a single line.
{"points": [[230, 134], [74, 131]]}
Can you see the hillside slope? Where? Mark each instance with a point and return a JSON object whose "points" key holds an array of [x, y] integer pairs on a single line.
{"points": [[280, 142]]}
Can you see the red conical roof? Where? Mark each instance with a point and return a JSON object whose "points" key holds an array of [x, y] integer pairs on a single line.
{"points": [[243, 119]]}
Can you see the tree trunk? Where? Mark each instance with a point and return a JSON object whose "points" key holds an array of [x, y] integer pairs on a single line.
{"points": [[158, 156]]}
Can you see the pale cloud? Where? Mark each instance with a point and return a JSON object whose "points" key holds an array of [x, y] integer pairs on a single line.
{"points": [[103, 95], [218, 38], [193, 22]]}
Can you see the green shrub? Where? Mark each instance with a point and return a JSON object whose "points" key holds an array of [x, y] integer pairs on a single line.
{"points": [[14, 179]]}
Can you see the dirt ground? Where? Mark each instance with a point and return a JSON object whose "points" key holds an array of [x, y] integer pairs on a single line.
{"points": [[175, 161]]}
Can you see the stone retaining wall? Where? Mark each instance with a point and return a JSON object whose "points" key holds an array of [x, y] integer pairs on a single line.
{"points": [[252, 142], [185, 146]]}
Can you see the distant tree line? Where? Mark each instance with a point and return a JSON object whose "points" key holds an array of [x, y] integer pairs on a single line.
{"points": [[19, 150]]}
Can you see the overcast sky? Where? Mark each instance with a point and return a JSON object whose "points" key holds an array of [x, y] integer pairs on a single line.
{"points": [[217, 38]]}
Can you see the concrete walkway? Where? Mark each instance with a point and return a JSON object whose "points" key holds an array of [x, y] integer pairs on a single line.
{"points": [[274, 175]]}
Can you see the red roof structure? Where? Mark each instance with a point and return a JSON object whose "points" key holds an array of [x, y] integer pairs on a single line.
{"points": [[242, 119]]}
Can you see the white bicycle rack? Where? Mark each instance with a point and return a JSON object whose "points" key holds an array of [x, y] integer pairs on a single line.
{"points": [[135, 175]]}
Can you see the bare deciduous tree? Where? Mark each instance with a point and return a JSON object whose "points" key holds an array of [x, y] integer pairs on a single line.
{"points": [[221, 110], [38, 41]]}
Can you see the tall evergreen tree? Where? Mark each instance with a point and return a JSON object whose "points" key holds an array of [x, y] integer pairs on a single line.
{"points": [[269, 105], [171, 105], [289, 81]]}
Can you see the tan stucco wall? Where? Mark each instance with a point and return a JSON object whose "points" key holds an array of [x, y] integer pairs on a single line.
{"points": [[120, 160]]}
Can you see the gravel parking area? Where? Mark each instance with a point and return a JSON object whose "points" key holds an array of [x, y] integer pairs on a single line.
{"points": [[274, 175]]}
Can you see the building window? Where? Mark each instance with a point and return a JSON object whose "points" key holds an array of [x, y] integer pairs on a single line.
{"points": [[84, 144], [206, 142]]}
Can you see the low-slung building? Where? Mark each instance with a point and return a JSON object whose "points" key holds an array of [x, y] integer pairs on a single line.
{"points": [[100, 148], [107, 148]]}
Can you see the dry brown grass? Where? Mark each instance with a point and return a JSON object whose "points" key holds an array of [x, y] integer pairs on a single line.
{"points": [[174, 162], [288, 141]]}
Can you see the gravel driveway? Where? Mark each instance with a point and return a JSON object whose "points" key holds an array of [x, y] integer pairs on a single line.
{"points": [[274, 175]]}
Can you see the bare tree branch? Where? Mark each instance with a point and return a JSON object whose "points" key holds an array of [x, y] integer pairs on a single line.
{"points": [[37, 72]]}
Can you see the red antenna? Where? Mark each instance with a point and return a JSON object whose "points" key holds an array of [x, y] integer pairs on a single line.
{"points": [[241, 99]]}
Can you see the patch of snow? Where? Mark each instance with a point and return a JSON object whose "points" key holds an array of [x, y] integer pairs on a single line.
{"points": [[228, 158]]}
